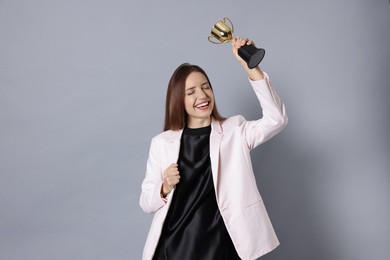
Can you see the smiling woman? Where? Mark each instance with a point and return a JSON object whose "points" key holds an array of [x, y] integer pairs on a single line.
{"points": [[187, 80], [198, 101], [199, 182]]}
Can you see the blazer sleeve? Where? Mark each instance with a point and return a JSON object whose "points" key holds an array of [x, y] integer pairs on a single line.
{"points": [[274, 118], [150, 200]]}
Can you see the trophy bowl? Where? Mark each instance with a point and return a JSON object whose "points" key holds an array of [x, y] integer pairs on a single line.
{"points": [[223, 33]]}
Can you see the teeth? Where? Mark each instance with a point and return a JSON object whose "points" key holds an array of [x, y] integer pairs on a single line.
{"points": [[203, 104]]}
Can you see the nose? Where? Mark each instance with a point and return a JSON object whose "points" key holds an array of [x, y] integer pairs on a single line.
{"points": [[202, 94]]}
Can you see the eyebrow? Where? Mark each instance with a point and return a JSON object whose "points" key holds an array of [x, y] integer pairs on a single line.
{"points": [[205, 83]]}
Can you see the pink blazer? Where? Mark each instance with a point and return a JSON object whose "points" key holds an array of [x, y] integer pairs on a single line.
{"points": [[238, 198]]}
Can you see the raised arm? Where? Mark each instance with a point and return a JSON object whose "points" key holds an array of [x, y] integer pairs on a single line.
{"points": [[274, 117]]}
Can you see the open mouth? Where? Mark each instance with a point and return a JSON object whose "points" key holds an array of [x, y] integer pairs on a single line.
{"points": [[203, 105]]}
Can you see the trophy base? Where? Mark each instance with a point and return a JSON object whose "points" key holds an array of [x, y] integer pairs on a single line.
{"points": [[251, 55]]}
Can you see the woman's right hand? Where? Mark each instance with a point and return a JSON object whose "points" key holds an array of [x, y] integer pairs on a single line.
{"points": [[171, 178]]}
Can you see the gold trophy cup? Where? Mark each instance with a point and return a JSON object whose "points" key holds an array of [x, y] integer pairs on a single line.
{"points": [[223, 33]]}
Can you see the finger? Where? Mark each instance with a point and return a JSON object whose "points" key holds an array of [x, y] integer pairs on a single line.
{"points": [[171, 168], [175, 181], [171, 184], [241, 42], [236, 42], [171, 178], [245, 41], [174, 169], [172, 173]]}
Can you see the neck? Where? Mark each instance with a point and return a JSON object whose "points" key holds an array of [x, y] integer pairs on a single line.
{"points": [[198, 123]]}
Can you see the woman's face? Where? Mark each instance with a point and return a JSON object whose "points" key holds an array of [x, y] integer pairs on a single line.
{"points": [[198, 100]]}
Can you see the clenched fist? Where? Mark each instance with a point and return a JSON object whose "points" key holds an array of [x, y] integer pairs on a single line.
{"points": [[171, 178]]}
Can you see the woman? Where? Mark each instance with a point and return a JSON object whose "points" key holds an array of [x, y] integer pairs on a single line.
{"points": [[199, 180]]}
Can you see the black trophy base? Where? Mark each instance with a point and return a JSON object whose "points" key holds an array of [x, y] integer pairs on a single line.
{"points": [[251, 55]]}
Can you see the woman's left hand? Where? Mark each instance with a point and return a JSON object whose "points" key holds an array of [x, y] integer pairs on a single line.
{"points": [[238, 43], [255, 73]]}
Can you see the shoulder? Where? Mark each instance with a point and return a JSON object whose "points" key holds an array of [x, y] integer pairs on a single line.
{"points": [[168, 135], [232, 123]]}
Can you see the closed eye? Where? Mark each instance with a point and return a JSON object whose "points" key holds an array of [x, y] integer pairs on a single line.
{"points": [[205, 86]]}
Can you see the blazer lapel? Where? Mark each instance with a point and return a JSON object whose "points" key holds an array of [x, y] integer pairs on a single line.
{"points": [[215, 141], [174, 146], [172, 152]]}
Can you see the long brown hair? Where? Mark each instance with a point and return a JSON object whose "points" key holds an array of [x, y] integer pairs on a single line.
{"points": [[175, 114]]}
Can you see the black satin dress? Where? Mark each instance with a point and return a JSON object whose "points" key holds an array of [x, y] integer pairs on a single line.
{"points": [[194, 228]]}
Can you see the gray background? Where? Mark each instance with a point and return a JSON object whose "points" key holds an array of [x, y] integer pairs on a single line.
{"points": [[82, 92]]}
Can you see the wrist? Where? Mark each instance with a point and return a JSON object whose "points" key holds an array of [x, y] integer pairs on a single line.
{"points": [[255, 73], [164, 191]]}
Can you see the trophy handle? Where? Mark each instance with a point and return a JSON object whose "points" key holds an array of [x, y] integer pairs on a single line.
{"points": [[224, 20], [212, 36]]}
